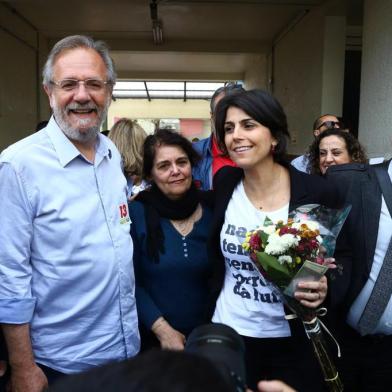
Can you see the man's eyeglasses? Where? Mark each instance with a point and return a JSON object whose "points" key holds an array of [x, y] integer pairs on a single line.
{"points": [[331, 124], [91, 85]]}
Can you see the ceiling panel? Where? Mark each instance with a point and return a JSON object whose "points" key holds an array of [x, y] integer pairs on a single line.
{"points": [[200, 37], [181, 20]]}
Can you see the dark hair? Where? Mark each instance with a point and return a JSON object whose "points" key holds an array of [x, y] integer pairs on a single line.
{"points": [[165, 137], [317, 123], [228, 88], [261, 107], [354, 148], [152, 371]]}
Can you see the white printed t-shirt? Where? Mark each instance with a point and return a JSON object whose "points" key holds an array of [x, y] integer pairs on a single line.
{"points": [[246, 302]]}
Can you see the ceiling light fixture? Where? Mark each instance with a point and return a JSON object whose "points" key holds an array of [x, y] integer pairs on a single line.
{"points": [[157, 32]]}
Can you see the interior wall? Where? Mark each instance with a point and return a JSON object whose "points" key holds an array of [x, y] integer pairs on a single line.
{"points": [[308, 72], [297, 77], [44, 108], [256, 72], [376, 83], [20, 97], [333, 64]]}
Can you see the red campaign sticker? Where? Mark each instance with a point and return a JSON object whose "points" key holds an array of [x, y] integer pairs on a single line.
{"points": [[124, 217], [123, 210]]}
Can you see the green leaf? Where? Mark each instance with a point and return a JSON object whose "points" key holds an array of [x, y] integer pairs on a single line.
{"points": [[264, 238], [277, 273]]}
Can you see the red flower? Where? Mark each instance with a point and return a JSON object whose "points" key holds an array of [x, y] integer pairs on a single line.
{"points": [[255, 241], [288, 230], [314, 244]]}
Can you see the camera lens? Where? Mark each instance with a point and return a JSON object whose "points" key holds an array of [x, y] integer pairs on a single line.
{"points": [[224, 347]]}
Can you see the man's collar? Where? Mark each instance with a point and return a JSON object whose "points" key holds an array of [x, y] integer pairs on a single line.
{"points": [[66, 150], [103, 149]]}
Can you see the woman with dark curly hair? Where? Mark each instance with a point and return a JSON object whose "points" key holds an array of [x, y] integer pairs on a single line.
{"points": [[334, 147]]}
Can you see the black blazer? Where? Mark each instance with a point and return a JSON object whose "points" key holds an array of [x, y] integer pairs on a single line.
{"points": [[359, 184], [305, 189]]}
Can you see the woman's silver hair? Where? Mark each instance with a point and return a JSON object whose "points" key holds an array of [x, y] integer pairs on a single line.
{"points": [[75, 42]]}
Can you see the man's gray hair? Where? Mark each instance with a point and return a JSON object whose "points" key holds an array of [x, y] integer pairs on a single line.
{"points": [[75, 42]]}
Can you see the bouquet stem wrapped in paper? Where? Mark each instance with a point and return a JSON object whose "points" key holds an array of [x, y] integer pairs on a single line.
{"points": [[300, 250]]}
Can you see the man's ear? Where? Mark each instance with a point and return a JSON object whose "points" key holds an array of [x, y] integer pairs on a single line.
{"points": [[49, 93], [316, 132]]}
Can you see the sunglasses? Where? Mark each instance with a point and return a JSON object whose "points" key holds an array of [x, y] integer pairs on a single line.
{"points": [[331, 124]]}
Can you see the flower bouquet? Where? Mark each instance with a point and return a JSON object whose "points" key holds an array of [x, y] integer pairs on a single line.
{"points": [[300, 250]]}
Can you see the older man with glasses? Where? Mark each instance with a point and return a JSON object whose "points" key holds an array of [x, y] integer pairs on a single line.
{"points": [[66, 275], [321, 124]]}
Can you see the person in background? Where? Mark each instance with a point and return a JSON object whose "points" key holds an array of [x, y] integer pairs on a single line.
{"points": [[321, 124], [252, 128], [361, 294], [67, 299], [129, 136], [170, 255], [212, 158], [334, 147]]}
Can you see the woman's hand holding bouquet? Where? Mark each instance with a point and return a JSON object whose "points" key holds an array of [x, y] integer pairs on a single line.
{"points": [[294, 257]]}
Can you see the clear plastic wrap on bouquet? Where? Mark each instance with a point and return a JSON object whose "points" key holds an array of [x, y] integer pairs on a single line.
{"points": [[330, 222], [300, 250]]}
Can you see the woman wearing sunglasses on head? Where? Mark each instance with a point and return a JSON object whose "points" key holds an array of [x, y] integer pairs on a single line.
{"points": [[334, 147]]}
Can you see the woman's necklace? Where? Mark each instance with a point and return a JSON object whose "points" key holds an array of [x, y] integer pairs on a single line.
{"points": [[185, 226], [257, 201]]}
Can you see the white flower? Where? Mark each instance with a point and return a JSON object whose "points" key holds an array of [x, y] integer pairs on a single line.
{"points": [[312, 225], [269, 229], [297, 225], [285, 259], [278, 245], [290, 240]]}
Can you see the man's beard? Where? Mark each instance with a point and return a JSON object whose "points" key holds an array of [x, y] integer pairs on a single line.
{"points": [[80, 133]]}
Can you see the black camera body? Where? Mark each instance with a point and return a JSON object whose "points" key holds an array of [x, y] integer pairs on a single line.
{"points": [[224, 347]]}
